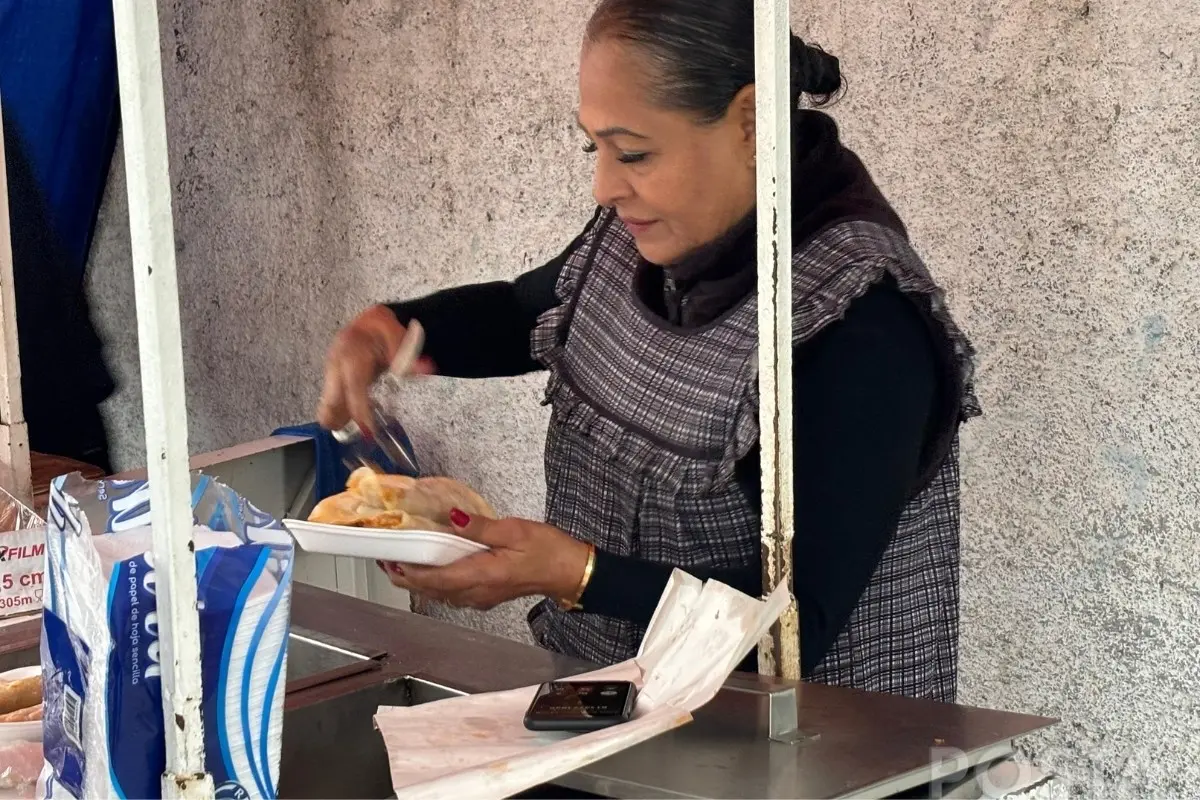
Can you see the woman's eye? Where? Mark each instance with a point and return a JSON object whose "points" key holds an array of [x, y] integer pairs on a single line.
{"points": [[624, 158]]}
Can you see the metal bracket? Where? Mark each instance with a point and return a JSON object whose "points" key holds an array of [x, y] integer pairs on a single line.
{"points": [[783, 709], [783, 722]]}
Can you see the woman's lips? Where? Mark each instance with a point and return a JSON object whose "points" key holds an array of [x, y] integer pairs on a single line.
{"points": [[638, 226]]}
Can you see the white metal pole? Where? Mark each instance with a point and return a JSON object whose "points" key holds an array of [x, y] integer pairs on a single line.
{"points": [[143, 119], [780, 654], [14, 433]]}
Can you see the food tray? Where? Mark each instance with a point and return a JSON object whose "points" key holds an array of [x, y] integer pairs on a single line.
{"points": [[30, 731], [425, 548]]}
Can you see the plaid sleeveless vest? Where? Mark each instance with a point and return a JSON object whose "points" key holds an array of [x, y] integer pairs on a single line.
{"points": [[648, 421]]}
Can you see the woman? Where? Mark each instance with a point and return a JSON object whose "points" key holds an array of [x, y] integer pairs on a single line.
{"points": [[647, 326]]}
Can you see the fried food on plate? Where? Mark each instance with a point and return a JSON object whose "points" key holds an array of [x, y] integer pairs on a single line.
{"points": [[31, 714], [398, 502], [20, 694]]}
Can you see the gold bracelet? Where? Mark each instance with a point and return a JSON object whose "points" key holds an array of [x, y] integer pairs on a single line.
{"points": [[573, 605]]}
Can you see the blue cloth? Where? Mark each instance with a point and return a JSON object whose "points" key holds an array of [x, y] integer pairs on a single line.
{"points": [[332, 472], [58, 84], [58, 81]]}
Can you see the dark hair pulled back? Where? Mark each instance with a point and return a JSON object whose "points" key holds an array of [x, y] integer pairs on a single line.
{"points": [[702, 52]]}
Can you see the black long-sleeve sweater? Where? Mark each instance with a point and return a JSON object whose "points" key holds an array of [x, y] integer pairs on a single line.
{"points": [[862, 394]]}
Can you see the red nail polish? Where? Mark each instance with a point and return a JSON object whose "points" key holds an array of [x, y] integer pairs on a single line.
{"points": [[459, 519]]}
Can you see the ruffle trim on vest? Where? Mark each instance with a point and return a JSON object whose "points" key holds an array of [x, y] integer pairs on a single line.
{"points": [[639, 452], [634, 449], [817, 307], [867, 252]]}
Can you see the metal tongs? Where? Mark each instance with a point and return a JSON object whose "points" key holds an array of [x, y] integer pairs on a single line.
{"points": [[384, 437]]}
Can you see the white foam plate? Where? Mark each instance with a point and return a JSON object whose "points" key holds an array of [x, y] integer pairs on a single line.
{"points": [[425, 548], [21, 731]]}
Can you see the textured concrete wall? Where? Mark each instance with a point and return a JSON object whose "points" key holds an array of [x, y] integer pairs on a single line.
{"points": [[1045, 155]]}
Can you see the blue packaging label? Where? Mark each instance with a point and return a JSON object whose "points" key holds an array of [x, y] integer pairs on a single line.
{"points": [[225, 577], [225, 584], [134, 682], [64, 687], [243, 595], [128, 504], [231, 791]]}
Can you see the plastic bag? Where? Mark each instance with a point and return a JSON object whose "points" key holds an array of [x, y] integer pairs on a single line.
{"points": [[103, 727], [15, 515], [19, 766], [22, 548]]}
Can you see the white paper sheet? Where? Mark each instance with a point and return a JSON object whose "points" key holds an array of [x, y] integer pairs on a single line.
{"points": [[478, 746]]}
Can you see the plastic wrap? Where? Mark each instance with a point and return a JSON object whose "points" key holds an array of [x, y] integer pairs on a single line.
{"points": [[22, 550], [19, 765], [15, 515], [103, 697]]}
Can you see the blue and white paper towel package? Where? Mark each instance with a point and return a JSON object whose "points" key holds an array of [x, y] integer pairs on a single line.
{"points": [[103, 716]]}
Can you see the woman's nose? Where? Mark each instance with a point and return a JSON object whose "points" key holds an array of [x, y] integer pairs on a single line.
{"points": [[608, 186]]}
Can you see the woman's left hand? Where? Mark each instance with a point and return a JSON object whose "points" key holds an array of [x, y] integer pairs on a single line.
{"points": [[526, 559]]}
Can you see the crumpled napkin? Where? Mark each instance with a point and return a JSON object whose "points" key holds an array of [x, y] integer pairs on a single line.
{"points": [[477, 746]]}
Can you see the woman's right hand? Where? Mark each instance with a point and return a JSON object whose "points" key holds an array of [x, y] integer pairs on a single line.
{"points": [[360, 353]]}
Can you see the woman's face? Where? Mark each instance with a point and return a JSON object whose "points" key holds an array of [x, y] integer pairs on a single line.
{"points": [[676, 184]]}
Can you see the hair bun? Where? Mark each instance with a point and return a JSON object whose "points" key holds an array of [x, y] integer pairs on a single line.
{"points": [[814, 71]]}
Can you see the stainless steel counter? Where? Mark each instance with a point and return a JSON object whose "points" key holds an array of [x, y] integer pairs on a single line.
{"points": [[853, 744], [347, 657], [354, 656]]}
